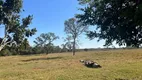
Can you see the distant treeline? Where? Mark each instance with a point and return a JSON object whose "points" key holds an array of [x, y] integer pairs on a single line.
{"points": [[8, 51], [27, 50]]}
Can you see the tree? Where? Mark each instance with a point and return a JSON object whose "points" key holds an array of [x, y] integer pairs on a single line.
{"points": [[25, 45], [63, 48], [15, 30], [45, 41], [74, 29], [116, 20], [57, 49], [68, 43]]}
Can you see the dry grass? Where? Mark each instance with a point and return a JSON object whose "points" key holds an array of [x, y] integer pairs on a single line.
{"points": [[116, 65]]}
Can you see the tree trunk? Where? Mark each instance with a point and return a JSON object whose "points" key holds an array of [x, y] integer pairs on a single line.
{"points": [[3, 40], [1, 48], [74, 47]]}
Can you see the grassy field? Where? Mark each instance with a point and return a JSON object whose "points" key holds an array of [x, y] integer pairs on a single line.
{"points": [[116, 65]]}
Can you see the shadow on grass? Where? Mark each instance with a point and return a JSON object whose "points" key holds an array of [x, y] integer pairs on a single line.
{"points": [[37, 59], [120, 79]]}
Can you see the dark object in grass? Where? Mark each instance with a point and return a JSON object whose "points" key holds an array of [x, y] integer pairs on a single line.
{"points": [[90, 64]]}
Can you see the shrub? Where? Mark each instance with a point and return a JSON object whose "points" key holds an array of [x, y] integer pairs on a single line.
{"points": [[86, 49], [5, 52]]}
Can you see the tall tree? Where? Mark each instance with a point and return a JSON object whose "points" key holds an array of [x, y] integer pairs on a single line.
{"points": [[74, 29], [14, 29], [116, 20], [45, 41]]}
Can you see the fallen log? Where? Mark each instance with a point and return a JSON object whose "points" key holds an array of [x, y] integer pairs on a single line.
{"points": [[90, 64]]}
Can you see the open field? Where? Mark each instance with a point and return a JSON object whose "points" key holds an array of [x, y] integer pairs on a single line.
{"points": [[116, 65]]}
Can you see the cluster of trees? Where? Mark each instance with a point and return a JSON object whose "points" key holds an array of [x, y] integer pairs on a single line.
{"points": [[43, 45], [15, 40], [117, 21]]}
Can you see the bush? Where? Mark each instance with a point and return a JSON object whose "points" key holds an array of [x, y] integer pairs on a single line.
{"points": [[86, 49], [14, 52], [5, 52], [25, 52]]}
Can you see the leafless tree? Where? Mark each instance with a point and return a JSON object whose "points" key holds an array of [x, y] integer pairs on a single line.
{"points": [[74, 29]]}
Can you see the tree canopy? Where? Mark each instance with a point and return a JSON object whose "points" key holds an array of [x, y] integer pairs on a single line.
{"points": [[45, 41], [15, 30], [116, 20], [45, 38]]}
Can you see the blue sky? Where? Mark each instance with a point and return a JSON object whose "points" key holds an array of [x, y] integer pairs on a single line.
{"points": [[49, 16]]}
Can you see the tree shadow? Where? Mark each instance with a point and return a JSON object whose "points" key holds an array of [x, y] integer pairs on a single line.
{"points": [[37, 59], [120, 79]]}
